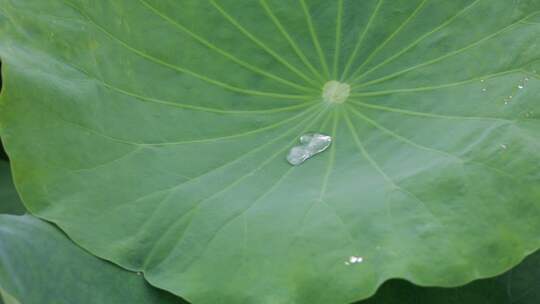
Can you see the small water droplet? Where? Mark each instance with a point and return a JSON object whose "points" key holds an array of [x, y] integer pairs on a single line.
{"points": [[482, 80], [520, 86], [354, 260], [297, 155], [138, 273], [311, 144], [484, 89], [306, 138], [504, 146]]}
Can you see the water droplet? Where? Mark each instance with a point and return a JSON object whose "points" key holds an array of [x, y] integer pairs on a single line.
{"points": [[520, 86], [297, 155], [482, 80], [354, 260], [484, 90], [138, 273], [306, 138], [504, 146], [311, 144], [316, 142]]}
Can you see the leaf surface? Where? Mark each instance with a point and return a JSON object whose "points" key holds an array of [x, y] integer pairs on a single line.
{"points": [[155, 133]]}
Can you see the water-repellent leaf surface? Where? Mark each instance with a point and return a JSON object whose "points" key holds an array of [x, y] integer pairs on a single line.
{"points": [[40, 265], [155, 134]]}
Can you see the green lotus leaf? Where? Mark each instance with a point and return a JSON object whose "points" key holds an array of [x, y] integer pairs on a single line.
{"points": [[155, 133], [39, 264], [9, 199]]}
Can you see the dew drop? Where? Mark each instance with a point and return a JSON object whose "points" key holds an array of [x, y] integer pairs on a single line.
{"points": [[297, 155], [520, 86], [484, 90], [306, 138], [354, 260], [316, 142], [504, 146], [311, 144]]}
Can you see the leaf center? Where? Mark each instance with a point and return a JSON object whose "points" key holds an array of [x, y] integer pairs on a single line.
{"points": [[335, 91]]}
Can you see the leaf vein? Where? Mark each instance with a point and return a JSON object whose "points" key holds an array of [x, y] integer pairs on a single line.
{"points": [[258, 42], [220, 51]]}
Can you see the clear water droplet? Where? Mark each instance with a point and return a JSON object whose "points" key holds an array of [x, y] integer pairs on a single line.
{"points": [[520, 86], [354, 260], [316, 142], [311, 144], [504, 146], [306, 138], [484, 90], [297, 155]]}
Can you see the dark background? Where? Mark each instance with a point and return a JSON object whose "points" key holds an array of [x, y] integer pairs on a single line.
{"points": [[3, 154]]}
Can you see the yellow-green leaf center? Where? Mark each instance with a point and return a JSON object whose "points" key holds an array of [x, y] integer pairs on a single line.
{"points": [[335, 91]]}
